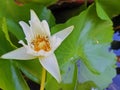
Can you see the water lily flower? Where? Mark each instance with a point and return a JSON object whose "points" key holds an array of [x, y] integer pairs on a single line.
{"points": [[40, 44]]}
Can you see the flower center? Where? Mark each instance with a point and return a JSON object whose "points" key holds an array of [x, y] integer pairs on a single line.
{"points": [[41, 43]]}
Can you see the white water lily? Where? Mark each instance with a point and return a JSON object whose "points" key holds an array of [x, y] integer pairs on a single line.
{"points": [[40, 44]]}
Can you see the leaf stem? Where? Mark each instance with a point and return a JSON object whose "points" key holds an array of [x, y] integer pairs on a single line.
{"points": [[43, 79]]}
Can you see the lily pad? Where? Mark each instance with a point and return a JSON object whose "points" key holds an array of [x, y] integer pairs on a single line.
{"points": [[89, 42]]}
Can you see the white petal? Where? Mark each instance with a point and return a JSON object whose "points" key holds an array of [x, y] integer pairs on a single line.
{"points": [[61, 35], [51, 65], [35, 24], [34, 16], [44, 53], [21, 42], [19, 53], [46, 27], [55, 42], [26, 30], [41, 53]]}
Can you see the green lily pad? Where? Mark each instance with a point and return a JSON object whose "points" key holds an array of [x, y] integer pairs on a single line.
{"points": [[11, 77], [89, 42], [111, 7]]}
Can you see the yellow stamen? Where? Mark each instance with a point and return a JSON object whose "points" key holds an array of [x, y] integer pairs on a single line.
{"points": [[41, 43]]}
